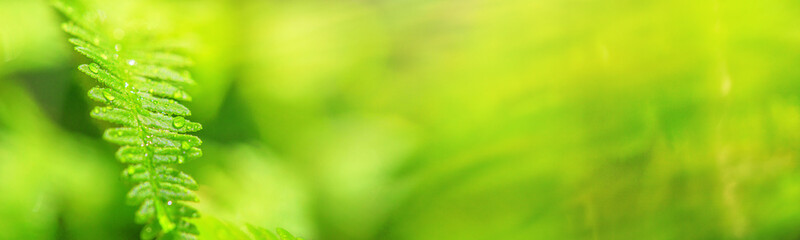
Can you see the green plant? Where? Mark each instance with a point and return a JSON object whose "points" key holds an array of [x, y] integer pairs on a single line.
{"points": [[142, 87], [143, 83]]}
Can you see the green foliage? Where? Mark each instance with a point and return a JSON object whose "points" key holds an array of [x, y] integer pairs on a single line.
{"points": [[142, 85], [431, 120]]}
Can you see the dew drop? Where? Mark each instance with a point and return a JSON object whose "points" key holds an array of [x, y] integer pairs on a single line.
{"points": [[117, 47], [131, 171], [169, 202], [131, 62], [178, 122], [93, 68], [108, 96], [177, 95], [185, 145], [181, 159], [148, 141]]}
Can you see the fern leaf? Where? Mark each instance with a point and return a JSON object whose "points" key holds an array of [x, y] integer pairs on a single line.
{"points": [[141, 86]]}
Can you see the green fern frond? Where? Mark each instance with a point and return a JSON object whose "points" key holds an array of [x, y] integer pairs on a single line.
{"points": [[141, 87]]}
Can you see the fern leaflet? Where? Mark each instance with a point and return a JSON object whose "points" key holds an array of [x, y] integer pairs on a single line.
{"points": [[141, 89]]}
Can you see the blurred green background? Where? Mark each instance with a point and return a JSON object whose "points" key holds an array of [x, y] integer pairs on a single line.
{"points": [[437, 119]]}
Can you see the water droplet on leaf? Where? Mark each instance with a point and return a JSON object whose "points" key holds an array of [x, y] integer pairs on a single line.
{"points": [[148, 141], [131, 62], [108, 96], [93, 68], [185, 145], [178, 122]]}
